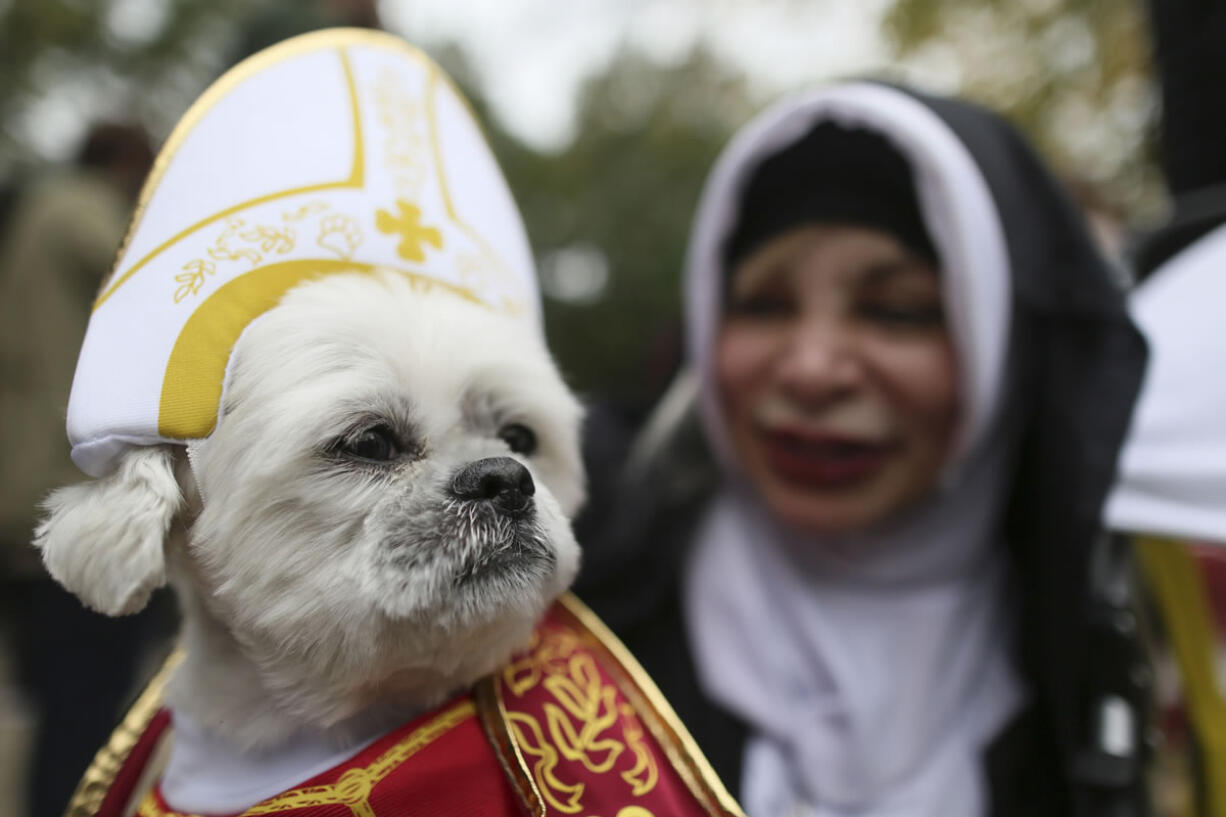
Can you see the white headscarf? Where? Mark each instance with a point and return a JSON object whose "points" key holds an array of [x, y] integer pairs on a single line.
{"points": [[872, 668]]}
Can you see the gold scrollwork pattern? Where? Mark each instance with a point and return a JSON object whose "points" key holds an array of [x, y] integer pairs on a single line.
{"points": [[584, 722], [644, 776], [279, 240], [565, 797], [593, 706], [222, 249], [404, 145], [260, 240], [338, 233], [310, 208]]}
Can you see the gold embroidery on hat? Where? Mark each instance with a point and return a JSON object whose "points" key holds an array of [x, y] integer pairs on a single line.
{"points": [[305, 210], [279, 240], [413, 234], [192, 278], [404, 141], [494, 259], [221, 249], [271, 239], [340, 234], [258, 230], [408, 121], [410, 143], [235, 77]]}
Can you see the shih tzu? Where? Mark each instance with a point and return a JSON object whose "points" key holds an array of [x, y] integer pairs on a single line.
{"points": [[378, 519], [315, 398]]}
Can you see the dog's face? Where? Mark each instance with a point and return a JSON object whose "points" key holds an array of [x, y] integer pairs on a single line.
{"points": [[386, 496]]}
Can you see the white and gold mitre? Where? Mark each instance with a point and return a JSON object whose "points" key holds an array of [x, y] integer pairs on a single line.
{"points": [[336, 151]]}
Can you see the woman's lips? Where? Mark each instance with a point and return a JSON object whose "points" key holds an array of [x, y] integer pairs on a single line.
{"points": [[824, 460]]}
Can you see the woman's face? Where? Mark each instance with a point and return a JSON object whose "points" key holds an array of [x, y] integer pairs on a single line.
{"points": [[837, 376]]}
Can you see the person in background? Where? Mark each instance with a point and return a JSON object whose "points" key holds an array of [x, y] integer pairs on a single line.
{"points": [[59, 240], [1171, 491], [866, 571]]}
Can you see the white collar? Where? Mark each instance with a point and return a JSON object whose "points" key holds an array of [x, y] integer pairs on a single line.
{"points": [[208, 775]]}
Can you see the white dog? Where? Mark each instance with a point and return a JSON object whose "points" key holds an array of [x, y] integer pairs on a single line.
{"points": [[378, 519], [315, 397]]}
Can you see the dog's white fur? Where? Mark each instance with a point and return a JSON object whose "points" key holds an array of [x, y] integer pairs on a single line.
{"points": [[317, 589]]}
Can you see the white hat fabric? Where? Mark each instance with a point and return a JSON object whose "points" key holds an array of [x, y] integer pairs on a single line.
{"points": [[338, 151], [1172, 472]]}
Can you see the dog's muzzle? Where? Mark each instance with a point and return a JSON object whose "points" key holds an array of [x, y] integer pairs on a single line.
{"points": [[500, 481]]}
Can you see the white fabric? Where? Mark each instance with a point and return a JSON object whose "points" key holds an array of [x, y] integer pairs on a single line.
{"points": [[1172, 472], [306, 152], [874, 667], [207, 775]]}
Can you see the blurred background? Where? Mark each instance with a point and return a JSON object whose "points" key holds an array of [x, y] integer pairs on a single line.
{"points": [[605, 115]]}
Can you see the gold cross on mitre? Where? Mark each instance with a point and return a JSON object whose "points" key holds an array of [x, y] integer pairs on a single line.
{"points": [[338, 152], [409, 227]]}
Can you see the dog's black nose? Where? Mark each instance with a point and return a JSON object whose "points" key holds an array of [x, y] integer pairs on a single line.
{"points": [[500, 480]]}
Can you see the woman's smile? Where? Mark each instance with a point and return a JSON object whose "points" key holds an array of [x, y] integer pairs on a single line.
{"points": [[825, 461]]}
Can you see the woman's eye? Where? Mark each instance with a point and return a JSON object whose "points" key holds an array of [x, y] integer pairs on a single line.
{"points": [[922, 316], [519, 437], [377, 444], [760, 306]]}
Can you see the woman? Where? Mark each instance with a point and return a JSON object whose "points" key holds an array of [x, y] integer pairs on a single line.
{"points": [[914, 373]]}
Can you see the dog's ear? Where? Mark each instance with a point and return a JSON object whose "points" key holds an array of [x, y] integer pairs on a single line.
{"points": [[103, 539]]}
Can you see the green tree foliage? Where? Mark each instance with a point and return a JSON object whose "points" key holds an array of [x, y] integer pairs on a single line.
{"points": [[77, 38], [174, 50], [1075, 75], [627, 187]]}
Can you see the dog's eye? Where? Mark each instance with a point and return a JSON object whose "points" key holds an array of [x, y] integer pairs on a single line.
{"points": [[519, 437], [377, 444]]}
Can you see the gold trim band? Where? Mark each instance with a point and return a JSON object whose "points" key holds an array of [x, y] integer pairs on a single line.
{"points": [[657, 714], [493, 715], [195, 372]]}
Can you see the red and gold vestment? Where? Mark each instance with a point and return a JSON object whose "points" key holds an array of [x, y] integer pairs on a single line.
{"points": [[572, 726]]}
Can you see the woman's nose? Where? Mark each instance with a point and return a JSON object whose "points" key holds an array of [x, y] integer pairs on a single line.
{"points": [[819, 361]]}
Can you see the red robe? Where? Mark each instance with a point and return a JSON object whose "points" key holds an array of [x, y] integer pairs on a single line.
{"points": [[570, 727]]}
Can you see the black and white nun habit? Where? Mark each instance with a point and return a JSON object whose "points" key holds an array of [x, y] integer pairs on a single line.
{"points": [[874, 669]]}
